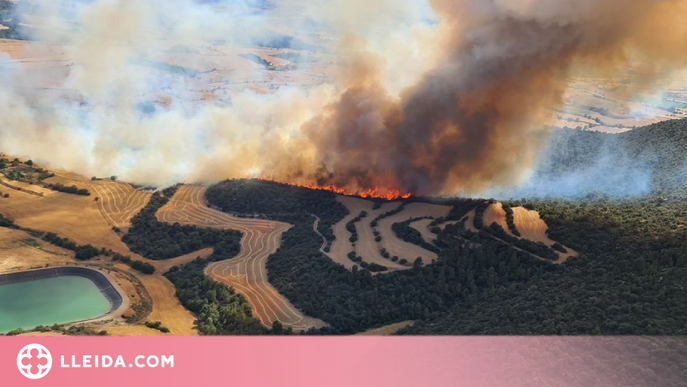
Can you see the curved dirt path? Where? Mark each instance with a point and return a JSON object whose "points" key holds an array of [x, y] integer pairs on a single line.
{"points": [[315, 227], [247, 272]]}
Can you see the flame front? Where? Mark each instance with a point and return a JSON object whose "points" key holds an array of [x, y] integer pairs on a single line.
{"points": [[371, 193]]}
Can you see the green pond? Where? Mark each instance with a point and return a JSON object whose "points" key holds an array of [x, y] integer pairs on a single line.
{"points": [[48, 301]]}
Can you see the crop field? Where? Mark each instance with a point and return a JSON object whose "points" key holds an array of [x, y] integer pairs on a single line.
{"points": [[403, 249], [247, 272]]}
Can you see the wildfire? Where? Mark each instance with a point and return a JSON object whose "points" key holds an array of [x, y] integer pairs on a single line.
{"points": [[376, 193]]}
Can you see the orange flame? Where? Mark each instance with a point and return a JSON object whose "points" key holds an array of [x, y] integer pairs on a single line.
{"points": [[376, 193]]}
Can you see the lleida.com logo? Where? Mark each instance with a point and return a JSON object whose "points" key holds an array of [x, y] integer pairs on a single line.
{"points": [[34, 361]]}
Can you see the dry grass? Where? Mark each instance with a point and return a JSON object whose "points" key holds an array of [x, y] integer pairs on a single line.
{"points": [[247, 272], [342, 245], [532, 227], [118, 202], [81, 219], [366, 246], [21, 251], [495, 214]]}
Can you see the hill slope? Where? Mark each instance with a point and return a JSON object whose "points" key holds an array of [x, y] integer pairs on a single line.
{"points": [[648, 160], [630, 276]]}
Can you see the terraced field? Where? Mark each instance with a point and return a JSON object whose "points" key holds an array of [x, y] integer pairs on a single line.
{"points": [[118, 202], [246, 272], [367, 247], [527, 222], [403, 249]]}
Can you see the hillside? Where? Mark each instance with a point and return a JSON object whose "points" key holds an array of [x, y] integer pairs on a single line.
{"points": [[646, 161], [629, 277]]}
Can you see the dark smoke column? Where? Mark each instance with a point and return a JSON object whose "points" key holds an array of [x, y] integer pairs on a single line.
{"points": [[473, 122]]}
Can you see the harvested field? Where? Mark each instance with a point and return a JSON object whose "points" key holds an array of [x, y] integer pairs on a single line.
{"points": [[132, 330], [246, 272], [470, 221], [495, 214], [119, 202], [422, 226], [532, 227], [367, 247], [166, 306], [72, 216], [21, 251], [528, 223], [403, 249], [341, 245]]}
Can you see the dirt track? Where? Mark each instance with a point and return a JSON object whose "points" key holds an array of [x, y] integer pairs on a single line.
{"points": [[246, 272]]}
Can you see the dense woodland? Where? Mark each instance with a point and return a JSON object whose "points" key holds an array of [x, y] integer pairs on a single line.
{"points": [[629, 278]]}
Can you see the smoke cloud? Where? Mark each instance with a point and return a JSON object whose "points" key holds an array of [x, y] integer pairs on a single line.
{"points": [[428, 97]]}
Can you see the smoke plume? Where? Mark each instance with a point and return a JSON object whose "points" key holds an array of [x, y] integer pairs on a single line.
{"points": [[437, 97]]}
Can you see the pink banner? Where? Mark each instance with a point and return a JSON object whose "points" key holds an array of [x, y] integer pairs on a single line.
{"points": [[341, 361]]}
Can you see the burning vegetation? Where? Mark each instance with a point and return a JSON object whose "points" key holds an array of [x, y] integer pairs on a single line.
{"points": [[370, 193]]}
